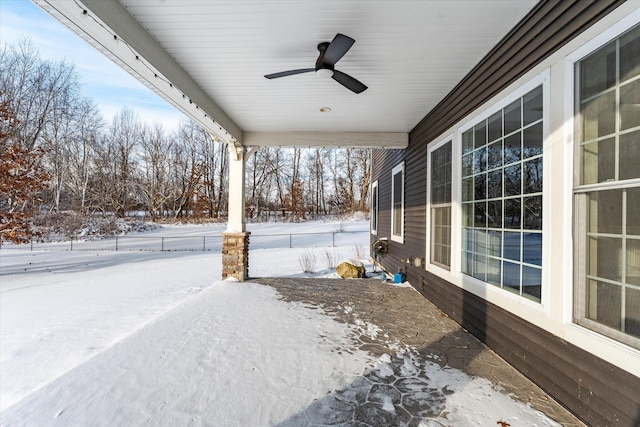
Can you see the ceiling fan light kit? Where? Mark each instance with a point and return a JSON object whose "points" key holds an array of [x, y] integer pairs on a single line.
{"points": [[330, 53]]}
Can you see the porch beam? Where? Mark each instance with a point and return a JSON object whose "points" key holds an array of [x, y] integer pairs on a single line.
{"points": [[399, 140]]}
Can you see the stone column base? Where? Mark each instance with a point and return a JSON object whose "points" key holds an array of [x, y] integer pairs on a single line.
{"points": [[235, 255]]}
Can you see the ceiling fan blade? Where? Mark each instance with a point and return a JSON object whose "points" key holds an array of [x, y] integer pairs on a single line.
{"points": [[289, 73], [349, 82], [337, 48]]}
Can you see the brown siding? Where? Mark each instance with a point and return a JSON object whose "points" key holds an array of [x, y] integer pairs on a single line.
{"points": [[550, 25], [596, 391], [599, 393]]}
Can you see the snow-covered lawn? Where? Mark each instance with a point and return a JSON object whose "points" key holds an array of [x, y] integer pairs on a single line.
{"points": [[152, 338]]}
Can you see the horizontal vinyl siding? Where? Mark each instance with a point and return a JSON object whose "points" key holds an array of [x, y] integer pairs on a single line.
{"points": [[599, 393], [550, 25], [595, 390]]}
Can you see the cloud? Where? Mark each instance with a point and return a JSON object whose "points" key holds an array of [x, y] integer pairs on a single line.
{"points": [[102, 80]]}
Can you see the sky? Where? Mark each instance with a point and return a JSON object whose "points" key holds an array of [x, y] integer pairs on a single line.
{"points": [[110, 87]]}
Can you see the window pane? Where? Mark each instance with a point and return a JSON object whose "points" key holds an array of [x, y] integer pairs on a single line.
{"points": [[533, 176], [468, 239], [598, 71], [605, 212], [633, 211], [467, 141], [440, 235], [532, 247], [480, 160], [599, 116], [494, 184], [495, 126], [598, 161], [481, 186], [511, 276], [494, 243], [494, 271], [494, 213], [512, 117], [604, 302], [467, 189], [374, 208], [605, 258], [630, 54], [532, 282], [397, 204], [532, 141], [512, 149], [467, 164], [441, 174], [630, 155], [630, 105], [480, 242], [532, 213], [479, 135], [480, 267], [467, 263], [512, 213], [467, 214], [633, 262], [512, 180], [632, 312], [494, 155], [532, 106], [512, 245], [480, 215]]}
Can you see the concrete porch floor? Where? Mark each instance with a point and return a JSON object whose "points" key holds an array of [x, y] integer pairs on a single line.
{"points": [[408, 319]]}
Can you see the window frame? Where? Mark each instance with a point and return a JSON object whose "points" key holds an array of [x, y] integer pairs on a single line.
{"points": [[430, 207], [542, 305], [375, 208], [580, 193], [399, 169]]}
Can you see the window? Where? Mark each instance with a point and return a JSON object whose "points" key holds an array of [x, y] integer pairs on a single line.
{"points": [[374, 208], [607, 190], [397, 203], [502, 197], [440, 197]]}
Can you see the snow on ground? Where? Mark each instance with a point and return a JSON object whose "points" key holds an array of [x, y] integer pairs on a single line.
{"points": [[146, 338]]}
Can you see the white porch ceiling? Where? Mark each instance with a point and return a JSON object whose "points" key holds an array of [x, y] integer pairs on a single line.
{"points": [[410, 53]]}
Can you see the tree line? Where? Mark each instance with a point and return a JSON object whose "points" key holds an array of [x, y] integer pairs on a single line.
{"points": [[59, 154]]}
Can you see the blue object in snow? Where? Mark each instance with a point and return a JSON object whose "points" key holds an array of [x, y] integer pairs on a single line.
{"points": [[399, 278]]}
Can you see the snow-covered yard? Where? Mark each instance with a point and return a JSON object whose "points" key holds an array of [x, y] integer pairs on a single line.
{"points": [[151, 338]]}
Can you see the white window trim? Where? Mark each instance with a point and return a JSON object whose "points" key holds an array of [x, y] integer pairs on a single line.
{"points": [[397, 237], [488, 291], [374, 185], [429, 266], [574, 219]]}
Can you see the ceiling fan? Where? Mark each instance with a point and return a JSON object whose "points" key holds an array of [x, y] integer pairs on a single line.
{"points": [[330, 53]]}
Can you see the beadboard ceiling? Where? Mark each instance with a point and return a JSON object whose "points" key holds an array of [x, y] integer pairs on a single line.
{"points": [[209, 58]]}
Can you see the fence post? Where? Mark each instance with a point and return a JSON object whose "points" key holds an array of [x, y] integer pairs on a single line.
{"points": [[204, 245], [290, 238], [31, 241], [71, 242], [116, 243], [333, 239], [162, 245]]}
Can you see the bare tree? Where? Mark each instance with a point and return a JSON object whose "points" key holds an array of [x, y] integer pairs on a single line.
{"points": [[34, 89], [155, 166]]}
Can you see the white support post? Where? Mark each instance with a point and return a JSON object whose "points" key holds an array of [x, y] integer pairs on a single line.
{"points": [[235, 240], [236, 221]]}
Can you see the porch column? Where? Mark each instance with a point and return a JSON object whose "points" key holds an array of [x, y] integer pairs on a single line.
{"points": [[235, 239]]}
